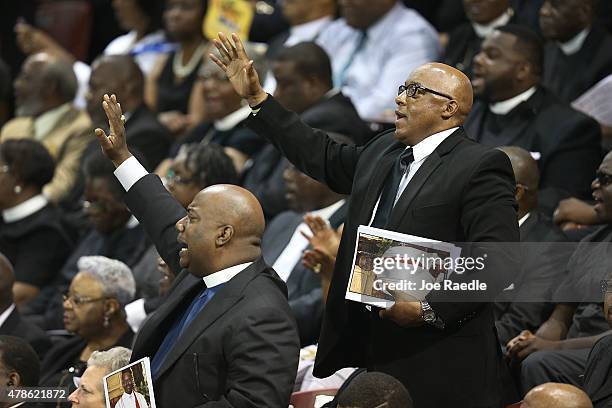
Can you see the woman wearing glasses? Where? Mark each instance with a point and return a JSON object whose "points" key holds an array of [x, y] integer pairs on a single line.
{"points": [[31, 232], [94, 312]]}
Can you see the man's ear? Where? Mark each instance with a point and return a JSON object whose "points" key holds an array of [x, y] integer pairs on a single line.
{"points": [[519, 193], [523, 70], [14, 379], [224, 235], [450, 109]]}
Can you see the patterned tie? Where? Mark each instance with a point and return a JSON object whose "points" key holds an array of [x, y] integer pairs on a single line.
{"points": [[387, 198], [340, 79]]}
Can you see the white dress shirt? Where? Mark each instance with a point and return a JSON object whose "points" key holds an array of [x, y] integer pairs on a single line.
{"points": [[504, 107], [396, 44], [575, 44], [421, 152], [292, 254], [25, 209], [129, 400], [6, 314], [523, 219]]}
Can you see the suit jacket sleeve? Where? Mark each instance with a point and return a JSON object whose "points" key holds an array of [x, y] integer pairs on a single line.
{"points": [[310, 150], [252, 380], [158, 213], [490, 226]]}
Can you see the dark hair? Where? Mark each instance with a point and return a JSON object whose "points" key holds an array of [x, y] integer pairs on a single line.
{"points": [[210, 165], [310, 61], [16, 354], [98, 166], [61, 74], [154, 9], [371, 389], [529, 44], [29, 161], [127, 71]]}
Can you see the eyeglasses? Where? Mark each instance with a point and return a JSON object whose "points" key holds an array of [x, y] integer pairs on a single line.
{"points": [[603, 178], [77, 300], [606, 286], [414, 87], [171, 176]]}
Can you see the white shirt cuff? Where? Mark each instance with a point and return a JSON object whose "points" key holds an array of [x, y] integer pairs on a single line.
{"points": [[129, 172], [135, 314]]}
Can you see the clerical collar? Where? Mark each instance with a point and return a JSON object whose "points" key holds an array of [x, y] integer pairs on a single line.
{"points": [[25, 209], [575, 44], [485, 30], [44, 123], [224, 275], [504, 107], [233, 119]]}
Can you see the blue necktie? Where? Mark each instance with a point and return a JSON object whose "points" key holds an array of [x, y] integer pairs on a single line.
{"points": [[340, 79], [179, 327], [387, 197]]}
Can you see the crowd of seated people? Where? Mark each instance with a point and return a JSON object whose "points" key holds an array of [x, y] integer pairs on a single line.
{"points": [[145, 213]]}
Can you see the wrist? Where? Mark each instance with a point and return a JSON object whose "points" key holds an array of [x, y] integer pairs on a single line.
{"points": [[121, 158], [255, 101]]}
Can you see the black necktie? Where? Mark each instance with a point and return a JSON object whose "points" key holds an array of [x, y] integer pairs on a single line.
{"points": [[387, 198]]}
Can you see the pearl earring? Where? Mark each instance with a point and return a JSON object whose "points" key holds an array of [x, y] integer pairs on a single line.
{"points": [[17, 189]]}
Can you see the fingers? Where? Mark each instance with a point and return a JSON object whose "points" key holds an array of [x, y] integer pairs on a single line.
{"points": [[229, 47], [223, 53], [305, 235], [103, 139], [217, 61]]}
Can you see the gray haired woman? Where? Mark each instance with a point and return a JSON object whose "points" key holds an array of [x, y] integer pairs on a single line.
{"points": [[94, 312]]}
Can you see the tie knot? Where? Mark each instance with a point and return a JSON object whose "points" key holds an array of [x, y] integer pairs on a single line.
{"points": [[406, 158]]}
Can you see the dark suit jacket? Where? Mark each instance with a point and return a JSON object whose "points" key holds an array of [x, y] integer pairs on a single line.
{"points": [[303, 285], [571, 76], [545, 253], [463, 192], [241, 350], [598, 373], [568, 141], [16, 326], [148, 136]]}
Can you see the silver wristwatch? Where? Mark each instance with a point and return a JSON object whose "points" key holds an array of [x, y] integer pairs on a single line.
{"points": [[429, 316]]}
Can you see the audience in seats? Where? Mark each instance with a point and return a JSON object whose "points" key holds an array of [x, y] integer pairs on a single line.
{"points": [[44, 90], [556, 395], [116, 234], [224, 114], [516, 110], [545, 251], [558, 350], [94, 312], [90, 392], [285, 239], [304, 85], [32, 232], [119, 74], [19, 368], [11, 321], [367, 62], [169, 85]]}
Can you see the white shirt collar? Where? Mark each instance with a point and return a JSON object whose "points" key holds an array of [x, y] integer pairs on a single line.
{"points": [[575, 44], [485, 30], [6, 314], [233, 119], [44, 123], [25, 209], [503, 107], [522, 220], [132, 222], [425, 147], [224, 275], [307, 31], [328, 211]]}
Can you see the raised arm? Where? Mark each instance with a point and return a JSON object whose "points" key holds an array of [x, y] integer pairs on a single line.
{"points": [[146, 197]]}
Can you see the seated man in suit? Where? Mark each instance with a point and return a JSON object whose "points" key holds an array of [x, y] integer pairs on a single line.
{"points": [[44, 90], [556, 395], [19, 367], [578, 52], [225, 335], [450, 189], [517, 111], [304, 85], [558, 350], [11, 322], [119, 74], [284, 241], [526, 304]]}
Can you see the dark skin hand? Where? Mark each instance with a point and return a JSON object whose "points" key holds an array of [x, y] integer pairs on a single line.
{"points": [[113, 145], [526, 343]]}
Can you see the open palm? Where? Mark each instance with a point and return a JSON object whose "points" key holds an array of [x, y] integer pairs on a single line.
{"points": [[234, 61]]}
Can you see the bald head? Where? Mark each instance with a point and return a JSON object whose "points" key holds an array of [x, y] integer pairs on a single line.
{"points": [[7, 279], [525, 168], [554, 395]]}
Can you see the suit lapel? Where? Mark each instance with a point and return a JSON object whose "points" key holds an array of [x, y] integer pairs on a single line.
{"points": [[10, 324]]}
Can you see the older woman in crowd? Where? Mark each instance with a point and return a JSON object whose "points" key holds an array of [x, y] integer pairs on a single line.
{"points": [[31, 232], [94, 312], [90, 393]]}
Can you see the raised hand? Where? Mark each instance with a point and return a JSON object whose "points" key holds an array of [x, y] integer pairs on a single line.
{"points": [[324, 237], [114, 145], [232, 59]]}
